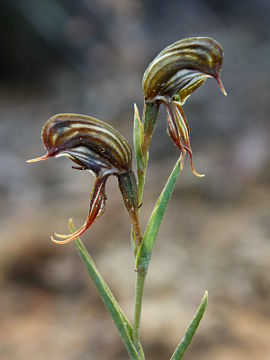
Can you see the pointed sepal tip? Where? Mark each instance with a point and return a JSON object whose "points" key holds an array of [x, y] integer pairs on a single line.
{"points": [[40, 158]]}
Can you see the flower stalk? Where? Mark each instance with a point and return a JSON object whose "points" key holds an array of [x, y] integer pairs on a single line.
{"points": [[139, 288]]}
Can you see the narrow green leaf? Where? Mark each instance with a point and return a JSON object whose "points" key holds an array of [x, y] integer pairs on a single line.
{"points": [[145, 250], [111, 304], [137, 137], [191, 329], [137, 142]]}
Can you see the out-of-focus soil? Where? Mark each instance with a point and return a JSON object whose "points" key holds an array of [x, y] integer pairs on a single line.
{"points": [[50, 309]]}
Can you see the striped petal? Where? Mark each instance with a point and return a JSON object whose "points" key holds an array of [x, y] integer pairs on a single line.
{"points": [[89, 142], [96, 209]]}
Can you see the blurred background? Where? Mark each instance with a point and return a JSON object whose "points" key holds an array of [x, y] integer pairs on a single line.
{"points": [[88, 56]]}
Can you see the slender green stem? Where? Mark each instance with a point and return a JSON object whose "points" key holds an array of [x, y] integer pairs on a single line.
{"points": [[148, 124], [140, 279], [144, 253]]}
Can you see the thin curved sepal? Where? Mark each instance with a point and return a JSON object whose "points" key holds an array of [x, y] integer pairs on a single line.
{"points": [[96, 209], [178, 131]]}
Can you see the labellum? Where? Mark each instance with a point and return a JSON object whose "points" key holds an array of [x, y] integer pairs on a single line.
{"points": [[95, 146]]}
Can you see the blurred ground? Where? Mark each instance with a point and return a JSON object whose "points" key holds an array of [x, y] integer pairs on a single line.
{"points": [[89, 57]]}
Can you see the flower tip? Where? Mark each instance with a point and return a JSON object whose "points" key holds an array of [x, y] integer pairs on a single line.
{"points": [[60, 242], [70, 222], [221, 86], [194, 172], [53, 240], [197, 174], [40, 158]]}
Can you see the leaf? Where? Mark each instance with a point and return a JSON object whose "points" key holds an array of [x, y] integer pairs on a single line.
{"points": [[137, 138], [111, 304], [140, 161], [150, 235], [191, 329]]}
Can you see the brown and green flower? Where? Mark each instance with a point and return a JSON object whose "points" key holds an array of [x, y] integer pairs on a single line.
{"points": [[173, 75], [95, 146]]}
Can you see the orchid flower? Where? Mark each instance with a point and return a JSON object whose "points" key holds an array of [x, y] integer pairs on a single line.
{"points": [[95, 146], [173, 75]]}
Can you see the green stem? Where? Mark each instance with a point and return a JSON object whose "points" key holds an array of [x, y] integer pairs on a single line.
{"points": [[140, 279], [150, 114], [144, 253]]}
